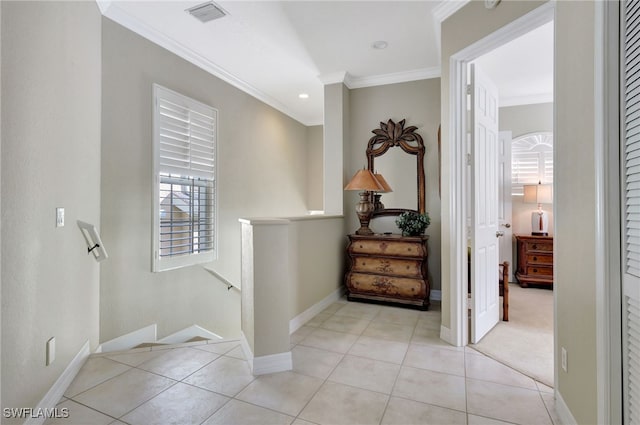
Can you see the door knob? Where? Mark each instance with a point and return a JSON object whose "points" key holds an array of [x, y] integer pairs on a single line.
{"points": [[499, 233], [507, 225]]}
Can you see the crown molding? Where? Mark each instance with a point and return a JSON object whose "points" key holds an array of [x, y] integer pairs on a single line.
{"points": [[116, 14], [334, 78], [526, 100], [393, 78]]}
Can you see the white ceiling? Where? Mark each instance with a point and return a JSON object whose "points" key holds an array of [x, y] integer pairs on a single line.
{"points": [[276, 50]]}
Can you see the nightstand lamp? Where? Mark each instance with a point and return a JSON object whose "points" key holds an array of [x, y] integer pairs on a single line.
{"points": [[539, 194], [365, 181]]}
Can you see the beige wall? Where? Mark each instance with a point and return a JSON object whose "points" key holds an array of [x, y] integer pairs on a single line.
{"points": [[262, 171], [315, 174], [574, 182], [575, 212], [521, 120], [50, 158], [317, 246], [419, 103]]}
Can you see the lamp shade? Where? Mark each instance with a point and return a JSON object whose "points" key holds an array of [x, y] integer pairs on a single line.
{"points": [[364, 180], [538, 194], [384, 183]]}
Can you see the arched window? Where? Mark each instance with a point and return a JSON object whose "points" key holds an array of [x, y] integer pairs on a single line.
{"points": [[531, 160]]}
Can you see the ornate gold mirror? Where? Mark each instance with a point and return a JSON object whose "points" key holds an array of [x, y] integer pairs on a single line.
{"points": [[396, 166]]}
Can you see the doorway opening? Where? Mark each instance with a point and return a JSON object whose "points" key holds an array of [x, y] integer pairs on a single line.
{"points": [[461, 184]]}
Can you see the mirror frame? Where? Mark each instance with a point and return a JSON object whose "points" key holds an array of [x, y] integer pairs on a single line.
{"points": [[391, 135]]}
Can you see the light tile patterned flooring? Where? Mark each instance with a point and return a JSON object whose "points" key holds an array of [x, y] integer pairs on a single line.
{"points": [[354, 363]]}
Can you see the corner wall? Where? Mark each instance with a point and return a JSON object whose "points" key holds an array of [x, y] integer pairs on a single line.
{"points": [[262, 171], [51, 71]]}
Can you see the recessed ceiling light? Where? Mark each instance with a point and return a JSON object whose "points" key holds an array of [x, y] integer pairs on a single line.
{"points": [[303, 96], [381, 44]]}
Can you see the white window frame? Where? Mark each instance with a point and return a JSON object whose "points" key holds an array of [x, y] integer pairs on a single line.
{"points": [[177, 261], [539, 144]]}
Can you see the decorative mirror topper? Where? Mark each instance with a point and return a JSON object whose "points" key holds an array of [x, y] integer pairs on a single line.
{"points": [[391, 134]]}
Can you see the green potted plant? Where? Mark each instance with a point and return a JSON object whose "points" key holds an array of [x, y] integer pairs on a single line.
{"points": [[412, 223]]}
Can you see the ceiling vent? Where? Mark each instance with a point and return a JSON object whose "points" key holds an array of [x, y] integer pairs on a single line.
{"points": [[206, 12]]}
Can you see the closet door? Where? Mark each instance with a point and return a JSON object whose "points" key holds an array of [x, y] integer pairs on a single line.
{"points": [[630, 87]]}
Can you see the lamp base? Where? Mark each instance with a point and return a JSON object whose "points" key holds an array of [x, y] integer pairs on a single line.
{"points": [[539, 234], [364, 210], [539, 223], [364, 231]]}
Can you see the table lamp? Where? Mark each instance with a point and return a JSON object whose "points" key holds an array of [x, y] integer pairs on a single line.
{"points": [[539, 194], [364, 180]]}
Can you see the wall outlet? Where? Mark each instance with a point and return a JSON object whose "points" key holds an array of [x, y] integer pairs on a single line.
{"points": [[59, 217], [564, 359], [51, 350]]}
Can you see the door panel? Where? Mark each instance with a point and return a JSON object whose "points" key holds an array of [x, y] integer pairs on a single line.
{"points": [[484, 205]]}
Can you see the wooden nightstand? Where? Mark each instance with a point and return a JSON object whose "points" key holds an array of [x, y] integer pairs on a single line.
{"points": [[388, 268], [535, 260]]}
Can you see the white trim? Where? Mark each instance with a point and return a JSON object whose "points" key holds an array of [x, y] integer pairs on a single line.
{"points": [[272, 363], [115, 13], [127, 341], [445, 335], [435, 295], [566, 418], [302, 318], [246, 348], [188, 333], [393, 78], [529, 99], [333, 78], [457, 126], [57, 390]]}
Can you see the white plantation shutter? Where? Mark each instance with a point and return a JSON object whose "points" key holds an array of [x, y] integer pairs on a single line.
{"points": [[630, 86], [186, 131], [531, 161], [184, 143]]}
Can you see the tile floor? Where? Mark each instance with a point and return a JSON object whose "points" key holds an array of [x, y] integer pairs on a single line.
{"points": [[353, 363]]}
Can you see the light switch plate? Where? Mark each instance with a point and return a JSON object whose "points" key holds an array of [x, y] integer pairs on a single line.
{"points": [[59, 217]]}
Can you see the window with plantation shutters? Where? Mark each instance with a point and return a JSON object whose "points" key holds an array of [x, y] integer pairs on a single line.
{"points": [[630, 146], [184, 142], [531, 161]]}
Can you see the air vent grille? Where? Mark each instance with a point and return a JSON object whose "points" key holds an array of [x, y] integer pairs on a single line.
{"points": [[206, 12]]}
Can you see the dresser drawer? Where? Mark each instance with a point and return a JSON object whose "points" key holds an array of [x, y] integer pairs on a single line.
{"points": [[540, 258], [388, 266], [390, 248], [539, 270], [361, 283], [539, 246]]}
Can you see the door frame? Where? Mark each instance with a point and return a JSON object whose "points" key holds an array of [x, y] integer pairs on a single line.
{"points": [[608, 280], [458, 130]]}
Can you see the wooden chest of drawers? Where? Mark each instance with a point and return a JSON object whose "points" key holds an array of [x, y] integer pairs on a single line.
{"points": [[388, 268], [535, 260]]}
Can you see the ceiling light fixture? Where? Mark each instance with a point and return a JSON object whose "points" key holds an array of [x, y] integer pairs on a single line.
{"points": [[303, 96], [380, 44]]}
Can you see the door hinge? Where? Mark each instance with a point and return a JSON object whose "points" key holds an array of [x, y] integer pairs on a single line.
{"points": [[468, 159], [468, 89]]}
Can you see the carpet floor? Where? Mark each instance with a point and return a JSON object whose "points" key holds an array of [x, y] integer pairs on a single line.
{"points": [[525, 342]]}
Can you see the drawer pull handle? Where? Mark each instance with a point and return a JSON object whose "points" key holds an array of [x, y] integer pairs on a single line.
{"points": [[534, 246], [360, 246], [535, 258], [535, 270]]}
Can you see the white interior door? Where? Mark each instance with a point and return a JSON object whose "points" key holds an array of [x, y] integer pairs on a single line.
{"points": [[484, 205], [504, 200]]}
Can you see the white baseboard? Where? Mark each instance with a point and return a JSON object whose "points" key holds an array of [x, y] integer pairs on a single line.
{"points": [[563, 410], [130, 340], [188, 333], [272, 363], [302, 318], [445, 335], [435, 295], [262, 365], [55, 393]]}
